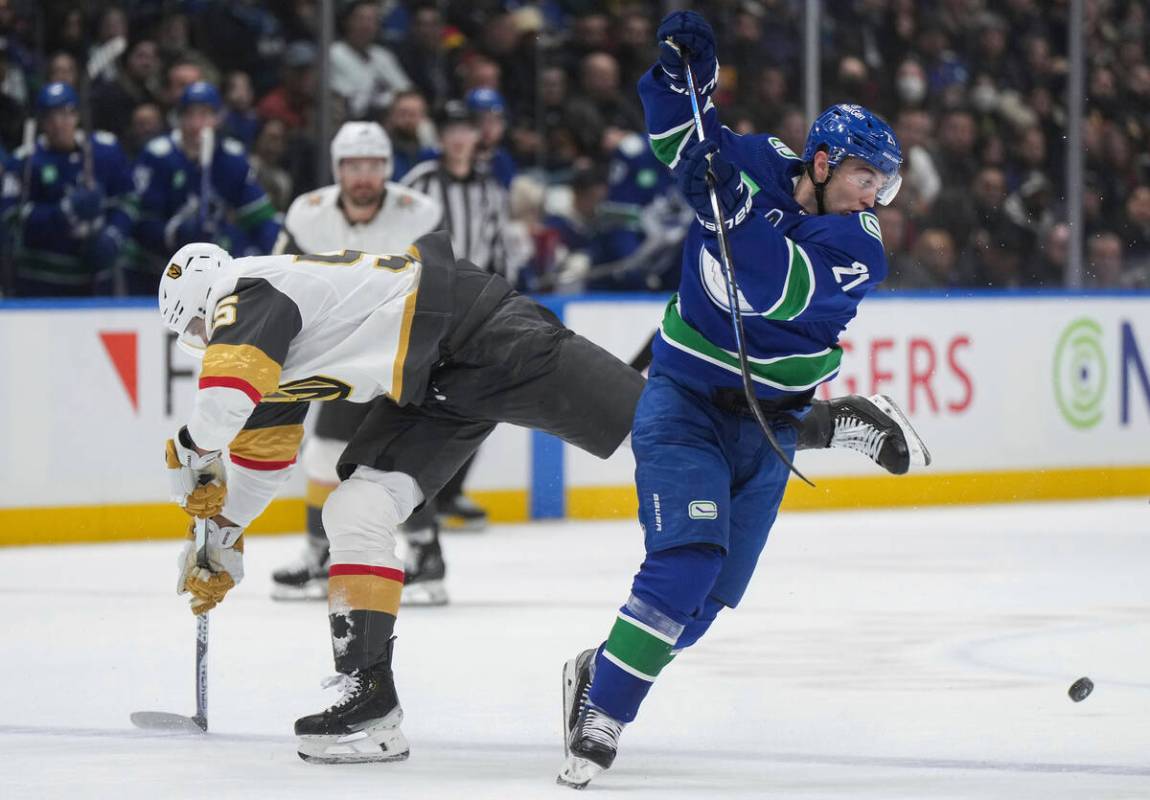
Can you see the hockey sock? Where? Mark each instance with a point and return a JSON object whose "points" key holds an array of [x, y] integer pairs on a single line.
{"points": [[362, 605], [668, 591]]}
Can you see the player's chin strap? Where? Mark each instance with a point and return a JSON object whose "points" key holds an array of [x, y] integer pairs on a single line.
{"points": [[820, 186]]}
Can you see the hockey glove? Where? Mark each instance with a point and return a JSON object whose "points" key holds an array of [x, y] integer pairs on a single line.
{"points": [[693, 34], [82, 208], [734, 198], [104, 248], [226, 566], [198, 482]]}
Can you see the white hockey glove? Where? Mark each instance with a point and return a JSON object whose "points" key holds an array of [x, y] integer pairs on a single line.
{"points": [[226, 566], [198, 482]]}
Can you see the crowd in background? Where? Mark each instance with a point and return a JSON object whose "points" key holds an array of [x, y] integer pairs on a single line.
{"points": [[975, 90]]}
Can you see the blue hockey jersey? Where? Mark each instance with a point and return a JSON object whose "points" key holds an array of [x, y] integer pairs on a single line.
{"points": [[45, 251], [242, 218], [800, 276]]}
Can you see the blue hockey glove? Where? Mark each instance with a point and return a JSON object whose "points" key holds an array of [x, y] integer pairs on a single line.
{"points": [[82, 204], [693, 33], [104, 248], [734, 198]]}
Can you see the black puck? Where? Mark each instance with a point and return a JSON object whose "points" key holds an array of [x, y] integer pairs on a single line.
{"points": [[1081, 689]]}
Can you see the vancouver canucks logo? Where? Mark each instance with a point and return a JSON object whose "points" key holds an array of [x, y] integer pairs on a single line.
{"points": [[174, 271], [317, 387], [711, 276]]}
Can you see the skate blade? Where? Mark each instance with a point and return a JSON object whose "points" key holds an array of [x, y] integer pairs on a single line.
{"points": [[570, 681], [916, 447], [577, 772], [426, 593], [382, 742], [166, 721], [314, 590]]}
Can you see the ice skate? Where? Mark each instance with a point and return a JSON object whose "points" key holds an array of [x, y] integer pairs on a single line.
{"points": [[305, 578], [591, 737], [362, 726], [424, 570], [460, 513], [877, 428]]}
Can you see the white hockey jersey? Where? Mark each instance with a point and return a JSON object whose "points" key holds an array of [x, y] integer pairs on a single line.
{"points": [[287, 329], [315, 223]]}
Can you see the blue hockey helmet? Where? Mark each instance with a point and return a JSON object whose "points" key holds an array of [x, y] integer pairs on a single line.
{"points": [[56, 95], [484, 99], [200, 93], [851, 131]]}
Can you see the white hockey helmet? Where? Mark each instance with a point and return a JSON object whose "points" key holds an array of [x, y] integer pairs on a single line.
{"points": [[184, 288], [361, 140]]}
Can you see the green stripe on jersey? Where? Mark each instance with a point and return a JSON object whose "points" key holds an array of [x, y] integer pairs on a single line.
{"points": [[667, 145], [637, 649], [794, 373], [798, 288]]}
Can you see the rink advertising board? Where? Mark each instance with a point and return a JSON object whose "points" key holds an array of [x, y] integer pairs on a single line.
{"points": [[1019, 397]]}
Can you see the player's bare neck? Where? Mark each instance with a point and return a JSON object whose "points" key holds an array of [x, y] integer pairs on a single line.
{"points": [[805, 195]]}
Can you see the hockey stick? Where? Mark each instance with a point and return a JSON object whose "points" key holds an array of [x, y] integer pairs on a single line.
{"points": [[165, 720], [207, 146], [729, 277]]}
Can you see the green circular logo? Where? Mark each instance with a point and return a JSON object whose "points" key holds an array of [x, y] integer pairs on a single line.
{"points": [[1080, 373]]}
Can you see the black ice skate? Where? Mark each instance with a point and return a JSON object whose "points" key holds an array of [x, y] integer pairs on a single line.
{"points": [[877, 428], [362, 726], [591, 737], [460, 513], [305, 578], [425, 570]]}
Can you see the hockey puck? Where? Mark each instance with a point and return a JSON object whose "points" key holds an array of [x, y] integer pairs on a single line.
{"points": [[1081, 689]]}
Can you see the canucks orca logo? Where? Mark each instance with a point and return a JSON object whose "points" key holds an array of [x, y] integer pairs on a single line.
{"points": [[711, 276], [317, 387]]}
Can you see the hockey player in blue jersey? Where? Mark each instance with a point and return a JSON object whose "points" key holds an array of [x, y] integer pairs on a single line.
{"points": [[239, 216], [806, 249], [70, 201]]}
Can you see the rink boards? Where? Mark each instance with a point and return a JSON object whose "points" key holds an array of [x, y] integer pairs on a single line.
{"points": [[1018, 396]]}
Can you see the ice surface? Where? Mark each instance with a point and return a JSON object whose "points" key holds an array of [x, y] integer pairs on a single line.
{"points": [[878, 655]]}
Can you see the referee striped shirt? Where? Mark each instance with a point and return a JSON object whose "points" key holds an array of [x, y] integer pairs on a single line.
{"points": [[475, 212]]}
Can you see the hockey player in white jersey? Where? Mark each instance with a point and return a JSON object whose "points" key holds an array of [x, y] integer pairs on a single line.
{"points": [[364, 210], [453, 349]]}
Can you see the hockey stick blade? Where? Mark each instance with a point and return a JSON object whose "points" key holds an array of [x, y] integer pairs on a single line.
{"points": [[168, 722]]}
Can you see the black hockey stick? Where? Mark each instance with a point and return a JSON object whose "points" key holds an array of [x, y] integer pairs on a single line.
{"points": [[166, 720], [729, 277]]}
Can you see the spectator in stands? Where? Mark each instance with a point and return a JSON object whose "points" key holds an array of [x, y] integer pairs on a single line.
{"points": [[1049, 268], [147, 123], [921, 181], [486, 106], [62, 68], [427, 56], [137, 80], [111, 41], [600, 114], [955, 155], [1136, 229], [366, 74], [11, 108], [411, 132], [935, 263], [267, 155], [1104, 261], [294, 102], [179, 75], [634, 51], [240, 120]]}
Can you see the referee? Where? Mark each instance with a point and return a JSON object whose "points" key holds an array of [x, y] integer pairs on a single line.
{"points": [[475, 213]]}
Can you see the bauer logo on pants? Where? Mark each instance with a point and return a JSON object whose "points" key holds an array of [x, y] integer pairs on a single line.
{"points": [[703, 509]]}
